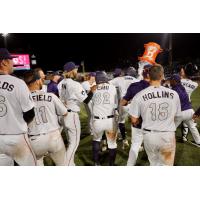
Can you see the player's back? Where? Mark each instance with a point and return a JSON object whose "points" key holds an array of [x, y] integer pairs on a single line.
{"points": [[124, 83], [189, 86], [72, 94], [47, 109], [14, 100], [104, 100], [158, 107]]}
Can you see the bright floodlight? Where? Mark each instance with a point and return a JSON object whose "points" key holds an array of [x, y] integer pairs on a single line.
{"points": [[5, 34]]}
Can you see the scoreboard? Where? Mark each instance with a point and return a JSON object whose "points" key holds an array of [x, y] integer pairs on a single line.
{"points": [[21, 62]]}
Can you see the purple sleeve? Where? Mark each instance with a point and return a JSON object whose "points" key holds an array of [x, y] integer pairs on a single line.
{"points": [[130, 93], [52, 88]]}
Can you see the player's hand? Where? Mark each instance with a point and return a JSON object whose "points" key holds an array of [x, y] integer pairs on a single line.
{"points": [[195, 117], [93, 88], [116, 116]]}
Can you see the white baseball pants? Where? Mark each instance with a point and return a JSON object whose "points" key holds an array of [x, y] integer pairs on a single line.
{"points": [[136, 142], [18, 148], [186, 117], [6, 160], [51, 143], [160, 147], [73, 130], [107, 125]]}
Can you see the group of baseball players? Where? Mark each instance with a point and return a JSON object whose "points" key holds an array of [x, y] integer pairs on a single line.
{"points": [[33, 116]]}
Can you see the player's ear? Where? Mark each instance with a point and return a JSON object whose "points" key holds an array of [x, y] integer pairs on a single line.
{"points": [[4, 63]]}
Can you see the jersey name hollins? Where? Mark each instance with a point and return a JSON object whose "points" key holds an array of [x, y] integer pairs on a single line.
{"points": [[188, 85], [103, 87], [42, 97], [158, 94], [6, 86]]}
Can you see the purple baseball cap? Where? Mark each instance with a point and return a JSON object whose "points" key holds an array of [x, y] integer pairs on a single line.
{"points": [[117, 72], [69, 66], [4, 54], [92, 74], [175, 77]]}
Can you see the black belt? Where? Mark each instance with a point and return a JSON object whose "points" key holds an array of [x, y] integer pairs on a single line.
{"points": [[37, 135], [155, 131], [146, 130], [110, 116], [69, 110]]}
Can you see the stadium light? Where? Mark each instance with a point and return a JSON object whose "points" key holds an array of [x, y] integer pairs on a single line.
{"points": [[5, 35]]}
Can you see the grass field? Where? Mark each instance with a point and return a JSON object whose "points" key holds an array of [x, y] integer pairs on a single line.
{"points": [[186, 154]]}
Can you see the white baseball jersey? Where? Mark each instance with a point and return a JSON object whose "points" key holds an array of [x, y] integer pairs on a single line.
{"points": [[189, 86], [158, 106], [104, 100], [15, 99], [72, 94], [47, 109], [123, 83]]}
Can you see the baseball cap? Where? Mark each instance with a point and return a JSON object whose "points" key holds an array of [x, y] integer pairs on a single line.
{"points": [[92, 74], [4, 54], [131, 71], [69, 66], [56, 73], [175, 77], [117, 72]]}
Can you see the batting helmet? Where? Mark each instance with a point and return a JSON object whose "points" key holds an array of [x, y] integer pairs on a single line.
{"points": [[131, 71], [190, 69], [101, 77]]}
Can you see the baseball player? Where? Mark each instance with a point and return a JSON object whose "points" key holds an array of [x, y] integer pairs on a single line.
{"points": [[117, 73], [122, 83], [158, 106], [72, 95], [136, 133], [104, 107], [53, 85], [16, 110], [190, 86], [87, 84], [186, 108], [41, 74], [44, 133]]}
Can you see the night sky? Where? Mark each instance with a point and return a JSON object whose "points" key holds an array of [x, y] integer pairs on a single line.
{"points": [[99, 51]]}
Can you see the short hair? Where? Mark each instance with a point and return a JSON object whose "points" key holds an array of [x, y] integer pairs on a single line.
{"points": [[30, 77], [156, 72], [36, 70]]}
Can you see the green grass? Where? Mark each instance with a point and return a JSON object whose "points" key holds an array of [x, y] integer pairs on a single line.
{"points": [[186, 154]]}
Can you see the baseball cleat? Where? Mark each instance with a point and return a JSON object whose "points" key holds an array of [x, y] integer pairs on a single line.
{"points": [[184, 138], [141, 149], [125, 144], [104, 146]]}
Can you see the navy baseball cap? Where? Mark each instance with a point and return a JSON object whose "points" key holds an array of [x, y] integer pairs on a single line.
{"points": [[69, 66], [4, 54], [175, 77]]}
